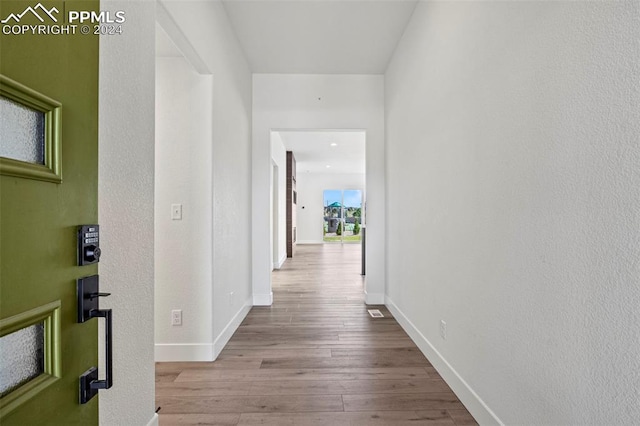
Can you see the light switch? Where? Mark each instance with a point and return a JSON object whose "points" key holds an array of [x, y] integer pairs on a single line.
{"points": [[176, 211]]}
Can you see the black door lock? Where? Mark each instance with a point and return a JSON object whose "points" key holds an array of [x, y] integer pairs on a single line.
{"points": [[88, 244], [92, 254]]}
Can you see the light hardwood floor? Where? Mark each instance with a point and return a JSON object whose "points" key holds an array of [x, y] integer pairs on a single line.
{"points": [[313, 358]]}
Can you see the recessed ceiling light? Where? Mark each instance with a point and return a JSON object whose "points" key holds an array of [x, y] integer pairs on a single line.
{"points": [[334, 144], [328, 166]]}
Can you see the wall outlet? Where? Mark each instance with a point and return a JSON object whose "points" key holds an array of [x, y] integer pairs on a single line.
{"points": [[443, 330], [176, 211], [176, 317], [231, 298]]}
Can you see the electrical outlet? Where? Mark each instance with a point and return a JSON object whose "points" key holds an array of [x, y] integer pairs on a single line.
{"points": [[231, 298], [176, 211], [176, 317], [443, 330]]}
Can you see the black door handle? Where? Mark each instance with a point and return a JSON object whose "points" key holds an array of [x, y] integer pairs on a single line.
{"points": [[108, 347], [88, 307]]}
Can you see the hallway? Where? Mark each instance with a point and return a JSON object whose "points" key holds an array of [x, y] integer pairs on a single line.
{"points": [[313, 358]]}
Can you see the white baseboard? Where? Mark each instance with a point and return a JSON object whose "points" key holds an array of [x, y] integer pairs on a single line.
{"points": [[263, 299], [373, 298], [310, 242], [476, 406], [220, 342], [186, 352], [173, 352], [154, 420], [279, 263]]}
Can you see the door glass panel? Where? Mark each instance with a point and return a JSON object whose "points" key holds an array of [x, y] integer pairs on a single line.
{"points": [[332, 215], [22, 355], [21, 132], [342, 215], [352, 201]]}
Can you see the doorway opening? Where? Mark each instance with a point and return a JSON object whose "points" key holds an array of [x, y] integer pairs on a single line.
{"points": [[324, 160]]}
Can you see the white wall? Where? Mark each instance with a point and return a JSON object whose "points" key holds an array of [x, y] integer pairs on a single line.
{"points": [[512, 134], [311, 188], [126, 210], [207, 30], [279, 158], [282, 102], [183, 248]]}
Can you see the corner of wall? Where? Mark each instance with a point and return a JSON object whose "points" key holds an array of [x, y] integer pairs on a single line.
{"points": [[280, 262], [202, 352], [154, 420], [263, 299], [223, 338], [373, 298]]}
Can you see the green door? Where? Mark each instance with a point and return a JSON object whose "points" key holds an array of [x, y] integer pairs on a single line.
{"points": [[48, 186]]}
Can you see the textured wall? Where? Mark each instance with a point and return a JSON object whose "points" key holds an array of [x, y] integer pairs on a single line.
{"points": [[126, 138], [206, 26], [183, 248], [512, 134]]}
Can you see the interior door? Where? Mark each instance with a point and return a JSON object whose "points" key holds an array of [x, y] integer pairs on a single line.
{"points": [[48, 186]]}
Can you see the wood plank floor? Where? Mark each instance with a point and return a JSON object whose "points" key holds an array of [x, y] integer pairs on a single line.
{"points": [[313, 358]]}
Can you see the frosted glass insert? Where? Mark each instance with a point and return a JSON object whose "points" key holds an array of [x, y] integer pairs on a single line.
{"points": [[22, 357], [21, 132]]}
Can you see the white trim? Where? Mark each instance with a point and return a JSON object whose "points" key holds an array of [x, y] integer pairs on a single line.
{"points": [[185, 352], [166, 21], [373, 298], [200, 351], [279, 264], [223, 338], [154, 420], [476, 406], [173, 352], [263, 299], [310, 242]]}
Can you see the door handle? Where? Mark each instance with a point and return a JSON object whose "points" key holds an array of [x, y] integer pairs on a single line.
{"points": [[108, 347], [88, 307]]}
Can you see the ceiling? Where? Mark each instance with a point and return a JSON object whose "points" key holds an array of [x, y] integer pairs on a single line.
{"points": [[316, 37], [319, 37], [314, 152]]}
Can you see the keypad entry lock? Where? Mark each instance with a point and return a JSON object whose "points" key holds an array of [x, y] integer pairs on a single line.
{"points": [[88, 244]]}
